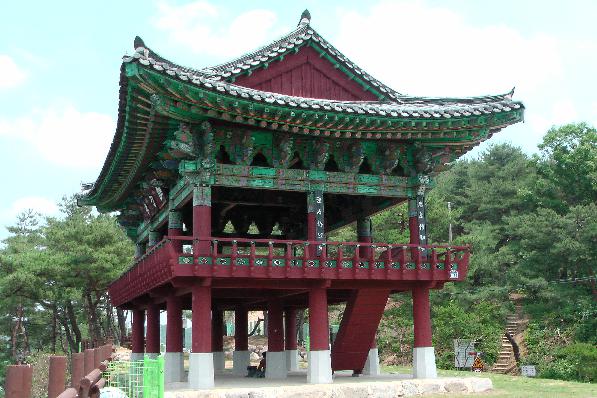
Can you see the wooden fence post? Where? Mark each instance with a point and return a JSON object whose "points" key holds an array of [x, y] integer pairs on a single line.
{"points": [[19, 381], [56, 375], [77, 368]]}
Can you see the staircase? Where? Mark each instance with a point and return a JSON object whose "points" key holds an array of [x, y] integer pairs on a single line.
{"points": [[506, 361], [357, 329]]}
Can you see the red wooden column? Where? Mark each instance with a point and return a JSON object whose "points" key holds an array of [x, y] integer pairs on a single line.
{"points": [[202, 219], [217, 339], [276, 357], [241, 355], [423, 352], [173, 358], [320, 364], [201, 370], [364, 235], [138, 335], [153, 331], [175, 227], [290, 339]]}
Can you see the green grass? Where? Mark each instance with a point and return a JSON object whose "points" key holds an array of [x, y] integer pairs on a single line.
{"points": [[516, 386]]}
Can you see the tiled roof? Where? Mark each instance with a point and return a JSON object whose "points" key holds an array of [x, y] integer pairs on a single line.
{"points": [[403, 106]]}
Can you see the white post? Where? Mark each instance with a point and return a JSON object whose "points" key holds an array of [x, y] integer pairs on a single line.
{"points": [[372, 364], [240, 361], [201, 370]]}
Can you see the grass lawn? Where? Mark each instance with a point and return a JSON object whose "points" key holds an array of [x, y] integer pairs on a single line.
{"points": [[517, 386]]}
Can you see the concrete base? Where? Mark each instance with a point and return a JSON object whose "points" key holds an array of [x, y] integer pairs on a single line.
{"points": [[219, 361], [137, 356], [201, 370], [320, 367], [228, 386], [173, 367], [372, 364], [240, 361], [424, 363], [152, 355], [292, 360], [276, 365]]}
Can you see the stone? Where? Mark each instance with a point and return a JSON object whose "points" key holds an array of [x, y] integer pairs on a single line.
{"points": [[456, 386]]}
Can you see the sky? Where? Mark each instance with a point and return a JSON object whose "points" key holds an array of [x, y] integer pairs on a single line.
{"points": [[60, 63]]}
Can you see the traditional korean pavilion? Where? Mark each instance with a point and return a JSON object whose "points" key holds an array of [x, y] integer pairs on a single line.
{"points": [[228, 179]]}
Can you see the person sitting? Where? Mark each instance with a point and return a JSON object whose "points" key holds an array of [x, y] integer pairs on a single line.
{"points": [[262, 365]]}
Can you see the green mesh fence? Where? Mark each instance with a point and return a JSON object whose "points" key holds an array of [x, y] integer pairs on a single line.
{"points": [[137, 379]]}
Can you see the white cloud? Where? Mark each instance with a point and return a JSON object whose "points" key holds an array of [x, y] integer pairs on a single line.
{"points": [[38, 204], [562, 111], [63, 135], [200, 27], [10, 73], [421, 49]]}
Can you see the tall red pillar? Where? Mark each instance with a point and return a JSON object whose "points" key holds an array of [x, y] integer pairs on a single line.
{"points": [[173, 324], [320, 362], [201, 304], [153, 330], [241, 355], [276, 357], [201, 365], [290, 329], [202, 219], [290, 339], [364, 235], [175, 227], [319, 330], [423, 352], [421, 317], [138, 335], [217, 339]]}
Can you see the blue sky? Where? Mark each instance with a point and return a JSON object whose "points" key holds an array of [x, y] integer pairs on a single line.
{"points": [[59, 67]]}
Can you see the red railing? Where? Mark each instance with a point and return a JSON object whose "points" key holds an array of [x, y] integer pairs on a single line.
{"points": [[184, 256], [296, 258]]}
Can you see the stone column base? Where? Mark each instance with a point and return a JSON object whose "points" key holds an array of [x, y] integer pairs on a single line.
{"points": [[137, 356], [292, 360], [152, 355], [173, 367], [276, 365], [372, 364], [320, 367], [424, 363], [201, 370], [240, 361], [219, 361]]}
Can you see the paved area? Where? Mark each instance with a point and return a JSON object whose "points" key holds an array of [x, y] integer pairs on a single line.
{"points": [[344, 386]]}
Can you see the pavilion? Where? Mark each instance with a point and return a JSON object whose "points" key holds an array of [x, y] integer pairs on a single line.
{"points": [[228, 179]]}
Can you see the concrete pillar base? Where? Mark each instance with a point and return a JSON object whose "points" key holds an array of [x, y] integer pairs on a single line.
{"points": [[424, 363], [275, 365], [173, 367], [219, 361], [372, 364], [292, 360], [320, 367], [240, 361], [201, 370], [152, 355], [137, 356]]}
